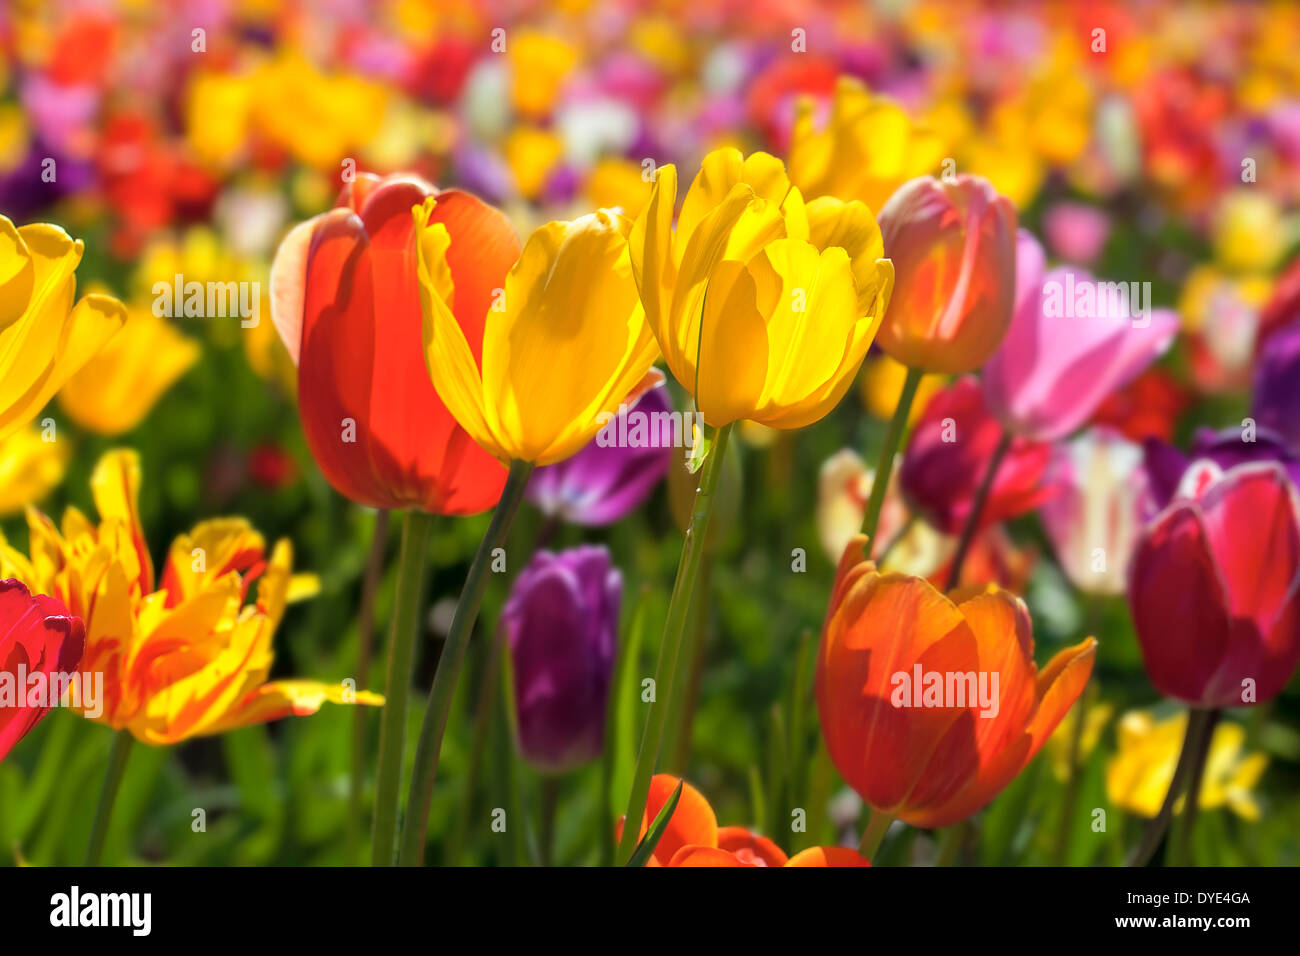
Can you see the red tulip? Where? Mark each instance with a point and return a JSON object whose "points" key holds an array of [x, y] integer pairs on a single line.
{"points": [[948, 456], [1214, 588], [346, 301], [37, 636]]}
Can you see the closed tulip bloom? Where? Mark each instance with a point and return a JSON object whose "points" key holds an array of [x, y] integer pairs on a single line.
{"points": [[44, 337], [186, 656], [1276, 403], [1215, 589], [867, 148], [117, 388], [1073, 341], [566, 342], [37, 637], [795, 291], [609, 479], [561, 624], [693, 837], [953, 245], [949, 452], [897, 661], [1094, 519], [1168, 471], [345, 299]]}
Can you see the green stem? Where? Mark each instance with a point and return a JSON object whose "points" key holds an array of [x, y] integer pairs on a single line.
{"points": [[1071, 798], [877, 825], [365, 641], [674, 627], [449, 664], [695, 644], [550, 802], [1183, 848], [950, 843], [976, 507], [397, 688], [1193, 740], [117, 759], [884, 468]]}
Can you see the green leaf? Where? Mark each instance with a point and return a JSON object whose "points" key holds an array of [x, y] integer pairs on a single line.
{"points": [[657, 828]]}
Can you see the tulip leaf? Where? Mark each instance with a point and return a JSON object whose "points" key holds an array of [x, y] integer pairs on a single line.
{"points": [[657, 828], [703, 440]]}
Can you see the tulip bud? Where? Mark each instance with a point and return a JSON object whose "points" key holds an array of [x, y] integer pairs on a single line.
{"points": [[953, 246], [931, 704], [1215, 588], [36, 632], [561, 625], [616, 471], [948, 456]]}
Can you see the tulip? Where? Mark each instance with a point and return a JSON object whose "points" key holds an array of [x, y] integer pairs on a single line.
{"points": [[867, 149], [44, 337], [795, 291], [570, 299], [208, 654], [37, 637], [607, 481], [1147, 408], [1062, 357], [1139, 775], [933, 759], [561, 625], [1276, 402], [30, 467], [345, 300], [693, 837], [950, 451], [115, 390], [1167, 471], [1094, 520], [1214, 589], [564, 346], [953, 245]]}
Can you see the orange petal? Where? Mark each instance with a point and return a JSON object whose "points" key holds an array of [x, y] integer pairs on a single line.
{"points": [[750, 847], [828, 856], [705, 856]]}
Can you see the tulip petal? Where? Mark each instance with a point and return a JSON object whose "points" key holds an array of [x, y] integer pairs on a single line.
{"points": [[749, 847], [288, 285], [828, 856], [17, 274]]}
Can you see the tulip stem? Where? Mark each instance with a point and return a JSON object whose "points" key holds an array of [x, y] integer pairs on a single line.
{"points": [[117, 758], [877, 826], [884, 468], [669, 649], [976, 507], [449, 664], [1200, 724], [365, 647], [1078, 714], [1183, 847], [397, 687]]}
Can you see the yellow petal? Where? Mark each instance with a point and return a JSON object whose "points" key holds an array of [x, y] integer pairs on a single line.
{"points": [[29, 468]]}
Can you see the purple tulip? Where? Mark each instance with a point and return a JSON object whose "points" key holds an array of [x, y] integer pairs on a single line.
{"points": [[561, 622], [604, 481], [1168, 468], [1276, 403]]}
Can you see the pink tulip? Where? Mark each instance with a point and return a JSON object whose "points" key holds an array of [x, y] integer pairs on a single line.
{"points": [[1073, 341]]}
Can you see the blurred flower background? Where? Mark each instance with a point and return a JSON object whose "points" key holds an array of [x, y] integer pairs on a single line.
{"points": [[1139, 142]]}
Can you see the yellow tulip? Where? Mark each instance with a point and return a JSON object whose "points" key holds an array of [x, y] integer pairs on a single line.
{"points": [[764, 306], [869, 147], [564, 344], [1138, 776], [182, 658], [44, 337], [115, 390], [29, 467]]}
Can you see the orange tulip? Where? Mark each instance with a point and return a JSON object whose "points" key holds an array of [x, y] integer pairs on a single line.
{"points": [[953, 245], [693, 837], [930, 705]]}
